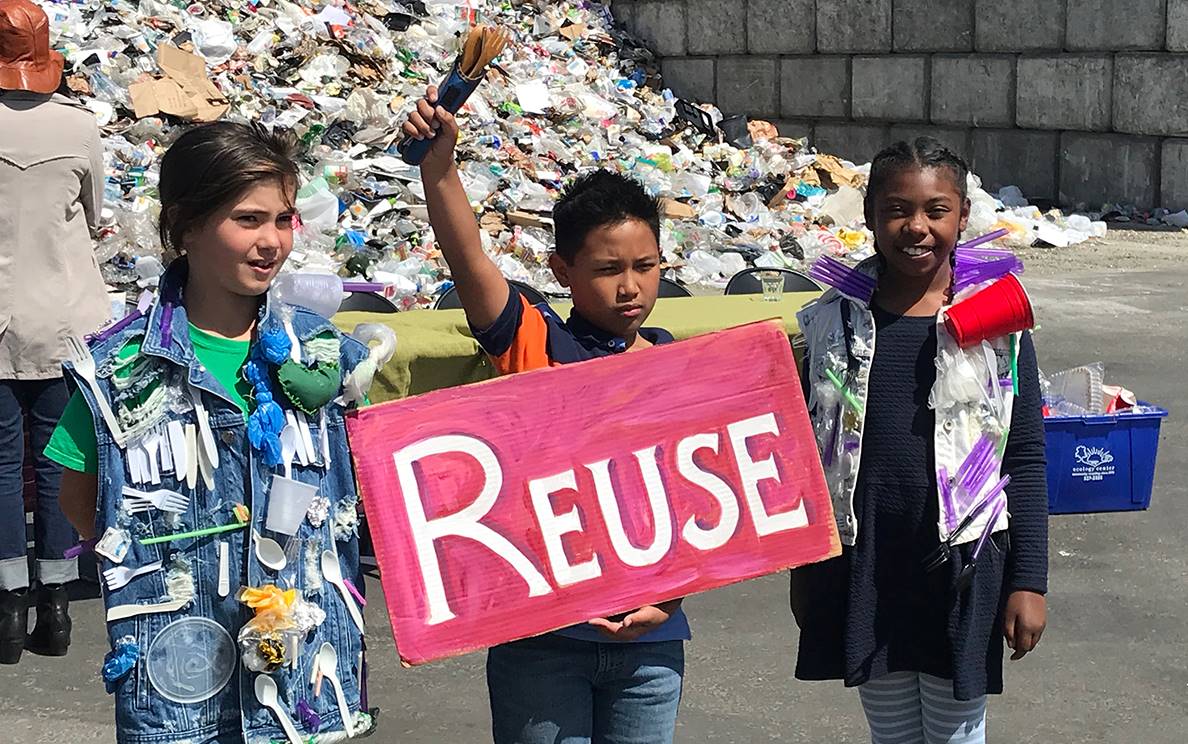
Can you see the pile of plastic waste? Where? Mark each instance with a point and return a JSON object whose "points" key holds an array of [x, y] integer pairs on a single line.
{"points": [[570, 92]]}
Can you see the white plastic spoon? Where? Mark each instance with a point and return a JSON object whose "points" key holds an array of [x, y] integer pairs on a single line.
{"points": [[269, 552], [328, 666], [333, 573], [288, 440], [266, 693]]}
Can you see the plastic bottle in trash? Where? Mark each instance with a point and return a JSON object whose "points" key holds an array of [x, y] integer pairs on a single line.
{"points": [[338, 172], [105, 90]]}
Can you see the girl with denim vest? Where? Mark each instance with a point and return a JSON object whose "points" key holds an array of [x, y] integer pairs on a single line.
{"points": [[934, 456], [206, 452]]}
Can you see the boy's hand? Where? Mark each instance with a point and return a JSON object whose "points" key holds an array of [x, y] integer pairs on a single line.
{"points": [[636, 623], [1026, 618], [430, 121]]}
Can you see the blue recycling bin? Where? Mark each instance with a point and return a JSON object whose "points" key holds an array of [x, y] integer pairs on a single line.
{"points": [[1102, 463]]}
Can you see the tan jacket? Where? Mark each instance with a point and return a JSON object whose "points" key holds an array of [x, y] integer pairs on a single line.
{"points": [[51, 194]]}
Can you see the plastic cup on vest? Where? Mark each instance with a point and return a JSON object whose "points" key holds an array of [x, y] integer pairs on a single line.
{"points": [[997, 310], [288, 501]]}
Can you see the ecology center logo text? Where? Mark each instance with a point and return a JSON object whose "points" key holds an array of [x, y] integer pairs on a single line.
{"points": [[1094, 463]]}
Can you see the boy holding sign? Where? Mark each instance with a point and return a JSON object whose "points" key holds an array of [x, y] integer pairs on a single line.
{"points": [[614, 679]]}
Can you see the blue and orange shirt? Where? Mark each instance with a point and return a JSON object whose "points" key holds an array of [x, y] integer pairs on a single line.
{"points": [[526, 337]]}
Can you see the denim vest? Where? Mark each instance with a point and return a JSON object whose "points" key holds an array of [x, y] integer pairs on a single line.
{"points": [[233, 714], [840, 336]]}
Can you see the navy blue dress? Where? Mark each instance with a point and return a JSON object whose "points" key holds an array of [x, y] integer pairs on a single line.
{"points": [[889, 614]]}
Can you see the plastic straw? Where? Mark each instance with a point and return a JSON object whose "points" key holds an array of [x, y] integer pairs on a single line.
{"points": [[845, 285], [842, 271], [362, 287], [354, 592], [198, 533], [848, 396], [86, 546], [1014, 365], [1001, 232], [994, 515], [946, 492], [840, 279]]}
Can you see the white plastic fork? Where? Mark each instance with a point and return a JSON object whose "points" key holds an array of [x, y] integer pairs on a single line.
{"points": [[84, 365], [162, 498], [117, 577]]}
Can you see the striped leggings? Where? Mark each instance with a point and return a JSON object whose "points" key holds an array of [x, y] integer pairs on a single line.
{"points": [[913, 708]]}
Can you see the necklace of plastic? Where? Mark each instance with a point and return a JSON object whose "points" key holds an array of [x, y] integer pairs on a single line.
{"points": [[267, 420]]}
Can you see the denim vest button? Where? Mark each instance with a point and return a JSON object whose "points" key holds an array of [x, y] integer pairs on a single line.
{"points": [[228, 438]]}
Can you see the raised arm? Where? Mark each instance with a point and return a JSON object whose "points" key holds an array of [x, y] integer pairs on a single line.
{"points": [[481, 287]]}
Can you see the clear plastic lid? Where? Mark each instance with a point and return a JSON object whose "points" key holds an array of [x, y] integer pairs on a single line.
{"points": [[190, 660]]}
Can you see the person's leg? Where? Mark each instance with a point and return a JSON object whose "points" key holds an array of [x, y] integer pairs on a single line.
{"points": [[892, 707], [52, 533], [949, 721], [541, 691], [637, 692], [14, 566]]}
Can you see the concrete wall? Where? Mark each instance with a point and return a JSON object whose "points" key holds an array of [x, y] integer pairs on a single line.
{"points": [[1082, 102]]}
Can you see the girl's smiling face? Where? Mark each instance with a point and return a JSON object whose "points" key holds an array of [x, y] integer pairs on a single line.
{"points": [[917, 217]]}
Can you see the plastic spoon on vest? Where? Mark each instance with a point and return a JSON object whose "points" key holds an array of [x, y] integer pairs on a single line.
{"points": [[266, 693], [328, 665]]}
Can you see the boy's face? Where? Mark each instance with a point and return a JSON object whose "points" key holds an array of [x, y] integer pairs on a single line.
{"points": [[615, 276]]}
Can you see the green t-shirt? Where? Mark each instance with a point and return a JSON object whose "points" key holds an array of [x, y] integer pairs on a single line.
{"points": [[73, 442]]}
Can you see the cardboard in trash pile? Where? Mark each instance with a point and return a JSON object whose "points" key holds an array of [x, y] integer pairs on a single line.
{"points": [[676, 210], [533, 502], [185, 91]]}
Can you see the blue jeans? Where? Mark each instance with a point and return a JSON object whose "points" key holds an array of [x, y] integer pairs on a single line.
{"points": [[44, 401], [556, 690]]}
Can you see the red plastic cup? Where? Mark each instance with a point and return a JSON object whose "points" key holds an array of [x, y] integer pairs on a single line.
{"points": [[997, 310]]}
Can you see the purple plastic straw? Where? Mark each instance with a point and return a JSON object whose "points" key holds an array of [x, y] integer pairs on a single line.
{"points": [[362, 287], [977, 468], [984, 239], [831, 265], [974, 456], [946, 492], [842, 277], [836, 277], [969, 276], [994, 515], [142, 306], [86, 546], [861, 293], [354, 592], [982, 254]]}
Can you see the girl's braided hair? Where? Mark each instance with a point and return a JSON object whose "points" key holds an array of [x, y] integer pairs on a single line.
{"points": [[922, 152]]}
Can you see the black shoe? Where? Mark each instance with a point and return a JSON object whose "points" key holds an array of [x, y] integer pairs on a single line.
{"points": [[14, 620], [51, 634]]}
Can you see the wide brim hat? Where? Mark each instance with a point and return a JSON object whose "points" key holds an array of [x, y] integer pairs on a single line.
{"points": [[26, 60]]}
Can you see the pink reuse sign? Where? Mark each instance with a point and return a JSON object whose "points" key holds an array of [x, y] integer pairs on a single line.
{"points": [[513, 507]]}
